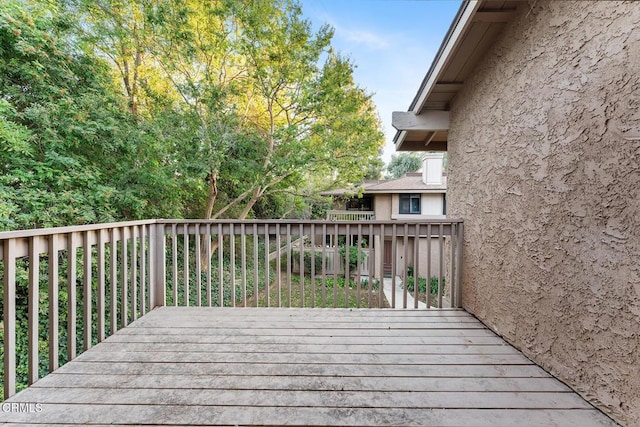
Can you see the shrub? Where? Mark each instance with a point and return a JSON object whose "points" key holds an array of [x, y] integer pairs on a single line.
{"points": [[317, 262], [353, 256], [422, 284]]}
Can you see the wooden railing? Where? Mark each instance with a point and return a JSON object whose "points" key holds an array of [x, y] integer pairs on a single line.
{"points": [[350, 215], [94, 280]]}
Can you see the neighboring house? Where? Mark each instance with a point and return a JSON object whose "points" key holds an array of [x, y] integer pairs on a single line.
{"points": [[417, 195], [538, 106], [414, 196]]}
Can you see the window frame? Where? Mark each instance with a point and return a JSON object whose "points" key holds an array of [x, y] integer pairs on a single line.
{"points": [[410, 197]]}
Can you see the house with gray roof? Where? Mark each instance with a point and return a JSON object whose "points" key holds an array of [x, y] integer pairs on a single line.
{"points": [[414, 196], [417, 195]]}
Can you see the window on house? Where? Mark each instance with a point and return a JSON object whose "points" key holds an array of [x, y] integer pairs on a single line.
{"points": [[444, 204], [410, 204]]}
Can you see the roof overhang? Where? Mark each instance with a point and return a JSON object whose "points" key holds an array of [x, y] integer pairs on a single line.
{"points": [[473, 30]]}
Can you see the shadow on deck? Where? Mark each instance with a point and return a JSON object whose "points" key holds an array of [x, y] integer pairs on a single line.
{"points": [[247, 366]]}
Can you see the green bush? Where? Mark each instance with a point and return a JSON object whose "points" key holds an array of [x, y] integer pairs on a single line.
{"points": [[317, 262], [422, 284], [353, 256]]}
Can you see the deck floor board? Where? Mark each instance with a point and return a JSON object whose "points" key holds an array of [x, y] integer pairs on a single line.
{"points": [[247, 366]]}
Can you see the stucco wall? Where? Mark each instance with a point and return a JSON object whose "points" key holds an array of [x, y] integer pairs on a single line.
{"points": [[544, 160], [431, 204], [382, 206]]}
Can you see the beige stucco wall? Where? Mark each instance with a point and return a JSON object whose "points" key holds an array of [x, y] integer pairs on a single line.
{"points": [[544, 160], [382, 209], [382, 206]]}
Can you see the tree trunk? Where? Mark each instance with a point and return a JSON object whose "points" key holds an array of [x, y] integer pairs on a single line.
{"points": [[213, 193], [257, 192], [211, 201], [252, 201]]}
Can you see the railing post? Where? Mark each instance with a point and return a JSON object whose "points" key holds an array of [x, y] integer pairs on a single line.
{"points": [[459, 258], [157, 265]]}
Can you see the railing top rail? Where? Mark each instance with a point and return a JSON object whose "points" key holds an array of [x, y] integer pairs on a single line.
{"points": [[18, 234], [305, 221]]}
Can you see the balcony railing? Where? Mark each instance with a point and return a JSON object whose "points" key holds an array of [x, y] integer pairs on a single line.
{"points": [[68, 288], [350, 215]]}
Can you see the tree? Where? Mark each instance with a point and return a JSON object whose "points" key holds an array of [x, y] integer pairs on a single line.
{"points": [[312, 120], [374, 169], [70, 150], [174, 108], [258, 111], [403, 163], [49, 125]]}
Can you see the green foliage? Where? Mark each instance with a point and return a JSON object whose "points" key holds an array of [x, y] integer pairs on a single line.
{"points": [[69, 152], [314, 263], [403, 163], [422, 284], [125, 110], [353, 256], [375, 169], [334, 293]]}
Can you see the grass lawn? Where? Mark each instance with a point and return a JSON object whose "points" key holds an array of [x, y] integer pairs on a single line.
{"points": [[298, 293], [422, 289]]}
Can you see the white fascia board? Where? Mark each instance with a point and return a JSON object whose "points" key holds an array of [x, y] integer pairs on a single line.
{"points": [[427, 121]]}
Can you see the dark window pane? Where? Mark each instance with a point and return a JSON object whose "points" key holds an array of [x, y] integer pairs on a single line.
{"points": [[409, 204], [415, 205], [404, 205]]}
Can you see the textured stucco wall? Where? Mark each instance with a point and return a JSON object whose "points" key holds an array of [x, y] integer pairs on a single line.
{"points": [[544, 160], [382, 206]]}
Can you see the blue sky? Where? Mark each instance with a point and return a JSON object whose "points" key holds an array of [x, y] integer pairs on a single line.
{"points": [[392, 43]]}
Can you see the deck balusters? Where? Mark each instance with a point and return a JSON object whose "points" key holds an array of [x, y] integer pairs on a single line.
{"points": [[53, 302], [243, 263], [416, 266], [198, 251], [308, 253], [429, 234], [207, 241], [113, 287], [441, 267], [124, 293], [100, 300], [34, 301], [394, 267]]}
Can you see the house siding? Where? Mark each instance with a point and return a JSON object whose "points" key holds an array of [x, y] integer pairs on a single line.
{"points": [[382, 206], [546, 175]]}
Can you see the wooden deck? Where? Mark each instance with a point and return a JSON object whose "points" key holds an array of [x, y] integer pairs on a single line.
{"points": [[243, 366]]}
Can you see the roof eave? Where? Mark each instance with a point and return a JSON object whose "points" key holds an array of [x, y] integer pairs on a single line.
{"points": [[460, 23]]}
